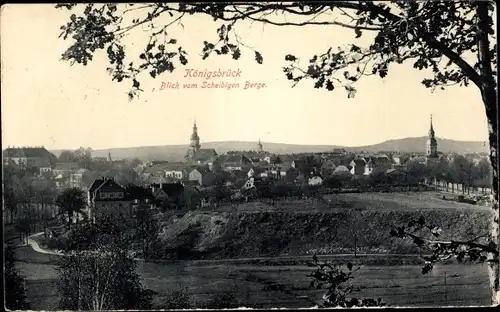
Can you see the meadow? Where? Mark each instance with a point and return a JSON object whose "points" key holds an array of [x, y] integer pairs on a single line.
{"points": [[279, 235], [287, 285]]}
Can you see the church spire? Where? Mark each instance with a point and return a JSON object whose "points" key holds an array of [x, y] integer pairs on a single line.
{"points": [[431, 130], [259, 145]]}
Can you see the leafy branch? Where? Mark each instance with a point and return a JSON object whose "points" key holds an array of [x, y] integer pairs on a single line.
{"points": [[340, 290], [437, 36], [470, 250]]}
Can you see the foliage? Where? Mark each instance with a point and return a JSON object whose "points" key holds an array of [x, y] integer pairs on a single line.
{"points": [[15, 294], [441, 250], [102, 278], [71, 200], [433, 35], [146, 229], [339, 288]]}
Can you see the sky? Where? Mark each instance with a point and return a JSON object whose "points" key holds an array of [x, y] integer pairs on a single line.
{"points": [[47, 102]]}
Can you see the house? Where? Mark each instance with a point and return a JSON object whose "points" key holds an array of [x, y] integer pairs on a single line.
{"points": [[205, 156], [235, 162], [29, 157], [140, 196], [168, 194], [175, 171], [68, 174], [154, 170], [315, 180], [279, 170], [76, 178], [65, 167], [257, 171], [328, 167], [203, 176], [377, 163], [340, 170], [107, 198], [358, 166]]}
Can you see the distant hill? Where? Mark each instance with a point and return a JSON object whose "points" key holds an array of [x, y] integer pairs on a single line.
{"points": [[416, 145], [177, 152]]}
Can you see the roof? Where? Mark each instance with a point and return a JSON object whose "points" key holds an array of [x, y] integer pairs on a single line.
{"points": [[171, 189], [155, 168], [201, 169], [27, 152], [205, 154], [359, 161], [258, 170], [328, 165], [341, 168], [96, 184], [237, 159], [177, 166], [99, 183], [139, 192], [390, 171]]}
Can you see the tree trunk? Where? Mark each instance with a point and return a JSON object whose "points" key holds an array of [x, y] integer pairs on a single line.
{"points": [[488, 93]]}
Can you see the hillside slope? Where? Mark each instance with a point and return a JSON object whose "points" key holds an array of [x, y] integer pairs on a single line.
{"points": [[223, 235]]}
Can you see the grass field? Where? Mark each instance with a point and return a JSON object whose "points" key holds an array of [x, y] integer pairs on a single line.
{"points": [[256, 284]]}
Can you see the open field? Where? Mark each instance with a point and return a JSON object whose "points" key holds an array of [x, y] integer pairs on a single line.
{"points": [[409, 201], [280, 285], [402, 201], [293, 230]]}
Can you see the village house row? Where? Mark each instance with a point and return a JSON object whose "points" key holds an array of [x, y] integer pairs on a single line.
{"points": [[164, 181]]}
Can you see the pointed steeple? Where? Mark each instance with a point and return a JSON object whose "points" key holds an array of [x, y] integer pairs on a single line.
{"points": [[259, 145], [431, 130]]}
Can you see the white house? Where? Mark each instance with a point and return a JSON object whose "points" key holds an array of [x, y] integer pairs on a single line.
{"points": [[174, 170]]}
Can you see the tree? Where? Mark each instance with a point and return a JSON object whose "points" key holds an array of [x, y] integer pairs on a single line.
{"points": [[71, 201], [100, 279], [83, 156], [67, 156], [45, 194], [453, 41], [15, 294], [147, 229]]}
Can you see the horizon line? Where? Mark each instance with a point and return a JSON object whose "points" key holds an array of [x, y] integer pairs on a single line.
{"points": [[237, 141]]}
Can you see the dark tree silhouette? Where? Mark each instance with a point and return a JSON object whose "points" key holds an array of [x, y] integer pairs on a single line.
{"points": [[71, 200], [436, 36], [15, 296]]}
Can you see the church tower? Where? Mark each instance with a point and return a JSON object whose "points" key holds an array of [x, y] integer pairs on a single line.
{"points": [[194, 145], [260, 148], [432, 143]]}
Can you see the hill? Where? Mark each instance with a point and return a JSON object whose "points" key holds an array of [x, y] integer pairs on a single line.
{"points": [[177, 152]]}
